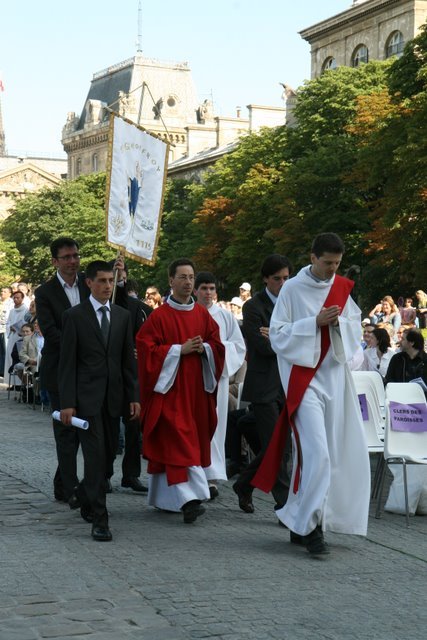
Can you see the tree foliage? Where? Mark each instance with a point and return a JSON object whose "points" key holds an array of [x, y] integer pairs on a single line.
{"points": [[356, 164]]}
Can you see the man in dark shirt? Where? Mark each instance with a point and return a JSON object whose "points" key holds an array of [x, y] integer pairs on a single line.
{"points": [[411, 362]]}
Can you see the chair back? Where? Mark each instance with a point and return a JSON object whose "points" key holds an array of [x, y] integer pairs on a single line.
{"points": [[404, 444], [373, 422]]}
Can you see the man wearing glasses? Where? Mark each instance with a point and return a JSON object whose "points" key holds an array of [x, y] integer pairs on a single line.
{"points": [[180, 359], [66, 289]]}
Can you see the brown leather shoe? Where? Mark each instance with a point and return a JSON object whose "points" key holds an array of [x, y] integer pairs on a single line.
{"points": [[245, 498]]}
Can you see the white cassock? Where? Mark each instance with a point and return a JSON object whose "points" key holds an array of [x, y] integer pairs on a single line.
{"points": [[334, 489], [15, 320], [235, 351], [160, 494]]}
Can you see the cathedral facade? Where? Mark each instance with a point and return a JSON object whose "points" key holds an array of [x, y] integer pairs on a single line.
{"points": [[160, 97]]}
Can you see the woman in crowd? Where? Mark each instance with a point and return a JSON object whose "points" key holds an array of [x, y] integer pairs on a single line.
{"points": [[421, 308], [378, 355], [153, 297], [388, 312]]}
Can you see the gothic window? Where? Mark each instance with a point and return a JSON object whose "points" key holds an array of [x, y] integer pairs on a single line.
{"points": [[95, 162], [329, 64], [395, 45], [360, 56]]}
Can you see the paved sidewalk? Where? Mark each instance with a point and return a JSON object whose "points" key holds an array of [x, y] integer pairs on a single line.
{"points": [[230, 576]]}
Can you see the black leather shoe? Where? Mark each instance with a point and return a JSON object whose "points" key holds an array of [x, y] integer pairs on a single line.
{"points": [[245, 498], [108, 486], [74, 502], [134, 484], [87, 514], [213, 492], [296, 538], [101, 534], [315, 543], [192, 510], [59, 497]]}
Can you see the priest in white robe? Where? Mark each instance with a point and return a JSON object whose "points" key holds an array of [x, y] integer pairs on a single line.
{"points": [[235, 351], [315, 331]]}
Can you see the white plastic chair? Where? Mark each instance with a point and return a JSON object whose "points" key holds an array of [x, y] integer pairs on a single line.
{"points": [[373, 425], [403, 447], [373, 380]]}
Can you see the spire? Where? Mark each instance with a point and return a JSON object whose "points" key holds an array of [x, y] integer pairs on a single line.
{"points": [[139, 40]]}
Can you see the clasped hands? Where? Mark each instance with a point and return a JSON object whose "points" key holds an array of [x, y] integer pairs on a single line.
{"points": [[328, 315], [192, 345]]}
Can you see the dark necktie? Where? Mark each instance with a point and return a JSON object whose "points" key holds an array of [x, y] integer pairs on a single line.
{"points": [[105, 324]]}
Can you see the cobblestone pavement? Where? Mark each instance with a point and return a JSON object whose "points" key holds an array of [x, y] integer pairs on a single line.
{"points": [[230, 576]]}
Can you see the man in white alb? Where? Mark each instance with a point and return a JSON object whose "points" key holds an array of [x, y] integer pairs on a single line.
{"points": [[315, 331], [235, 351]]}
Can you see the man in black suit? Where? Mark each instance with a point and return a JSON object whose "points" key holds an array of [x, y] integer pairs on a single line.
{"points": [[97, 381], [262, 386], [65, 289]]}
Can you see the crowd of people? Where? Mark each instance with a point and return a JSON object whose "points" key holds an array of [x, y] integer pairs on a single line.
{"points": [[258, 387]]}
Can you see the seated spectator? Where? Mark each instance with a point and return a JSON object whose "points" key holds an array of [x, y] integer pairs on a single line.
{"points": [[378, 355], [421, 308], [408, 313], [400, 332], [366, 336], [389, 328], [387, 312], [411, 361], [30, 351]]}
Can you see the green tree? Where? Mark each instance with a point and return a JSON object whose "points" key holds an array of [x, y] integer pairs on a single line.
{"points": [[74, 208]]}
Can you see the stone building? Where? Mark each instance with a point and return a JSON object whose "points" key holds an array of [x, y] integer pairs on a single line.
{"points": [[367, 30], [153, 94], [20, 175], [24, 176]]}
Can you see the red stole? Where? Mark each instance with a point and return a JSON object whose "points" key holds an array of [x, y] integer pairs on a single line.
{"points": [[299, 380]]}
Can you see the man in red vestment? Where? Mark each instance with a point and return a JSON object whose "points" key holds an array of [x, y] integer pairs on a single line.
{"points": [[180, 360]]}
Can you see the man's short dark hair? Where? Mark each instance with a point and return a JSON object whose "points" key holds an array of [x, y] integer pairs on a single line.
{"points": [[274, 263], [180, 262], [95, 266], [416, 338], [62, 242], [327, 243], [204, 277], [18, 293]]}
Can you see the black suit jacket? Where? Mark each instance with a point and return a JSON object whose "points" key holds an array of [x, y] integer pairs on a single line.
{"points": [[51, 302], [90, 371], [262, 381]]}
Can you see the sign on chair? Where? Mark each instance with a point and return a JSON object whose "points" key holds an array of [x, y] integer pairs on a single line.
{"points": [[408, 417]]}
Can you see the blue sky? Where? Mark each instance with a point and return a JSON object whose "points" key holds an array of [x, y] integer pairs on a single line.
{"points": [[238, 51]]}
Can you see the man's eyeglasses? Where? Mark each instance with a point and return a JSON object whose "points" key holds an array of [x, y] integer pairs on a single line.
{"points": [[69, 256]]}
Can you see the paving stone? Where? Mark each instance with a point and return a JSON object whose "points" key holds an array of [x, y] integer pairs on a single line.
{"points": [[229, 577]]}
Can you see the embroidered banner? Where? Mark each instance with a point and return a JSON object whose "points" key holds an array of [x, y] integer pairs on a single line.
{"points": [[408, 417], [136, 175]]}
